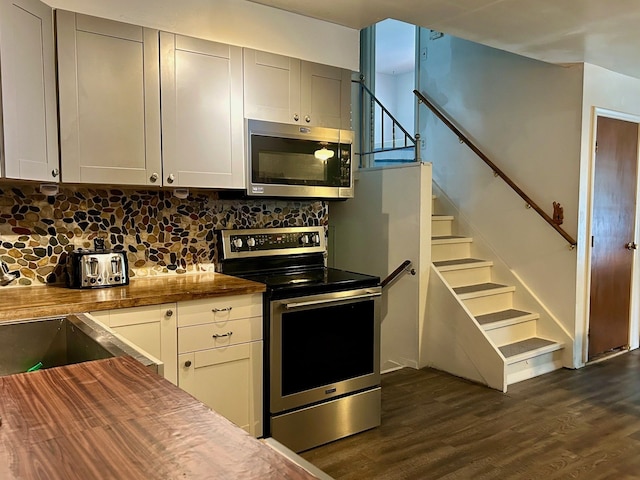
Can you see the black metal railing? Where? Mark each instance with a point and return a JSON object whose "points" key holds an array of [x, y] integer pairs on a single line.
{"points": [[391, 139]]}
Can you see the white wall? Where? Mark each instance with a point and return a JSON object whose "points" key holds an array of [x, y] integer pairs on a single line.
{"points": [[406, 100], [526, 116], [604, 90], [237, 22], [374, 233]]}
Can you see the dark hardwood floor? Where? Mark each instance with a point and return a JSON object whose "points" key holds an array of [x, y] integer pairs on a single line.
{"points": [[573, 424]]}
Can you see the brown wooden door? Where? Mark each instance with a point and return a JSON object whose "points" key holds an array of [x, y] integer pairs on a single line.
{"points": [[612, 227]]}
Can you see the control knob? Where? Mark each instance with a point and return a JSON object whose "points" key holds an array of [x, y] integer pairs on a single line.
{"points": [[251, 242], [237, 242], [316, 239], [304, 239]]}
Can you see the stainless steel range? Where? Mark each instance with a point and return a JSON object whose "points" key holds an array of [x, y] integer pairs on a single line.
{"points": [[322, 335]]}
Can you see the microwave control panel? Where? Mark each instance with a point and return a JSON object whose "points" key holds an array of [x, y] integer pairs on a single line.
{"points": [[272, 241]]}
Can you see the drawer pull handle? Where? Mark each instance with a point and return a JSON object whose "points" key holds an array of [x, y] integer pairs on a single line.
{"points": [[216, 335], [225, 309]]}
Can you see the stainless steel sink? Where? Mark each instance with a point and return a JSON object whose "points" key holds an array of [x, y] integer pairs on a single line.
{"points": [[59, 341]]}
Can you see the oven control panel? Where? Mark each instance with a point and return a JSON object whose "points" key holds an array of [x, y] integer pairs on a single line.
{"points": [[272, 241]]}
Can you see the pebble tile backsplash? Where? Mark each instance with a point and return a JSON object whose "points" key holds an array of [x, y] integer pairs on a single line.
{"points": [[162, 235]]}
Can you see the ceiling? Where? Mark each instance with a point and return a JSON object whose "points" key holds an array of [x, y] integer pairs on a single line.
{"points": [[601, 32]]}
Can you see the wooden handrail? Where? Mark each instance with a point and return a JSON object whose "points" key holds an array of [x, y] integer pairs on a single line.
{"points": [[404, 266], [464, 139]]}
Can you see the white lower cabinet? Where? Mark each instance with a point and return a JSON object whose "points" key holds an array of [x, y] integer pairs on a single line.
{"points": [[211, 348], [227, 379], [220, 356], [152, 328]]}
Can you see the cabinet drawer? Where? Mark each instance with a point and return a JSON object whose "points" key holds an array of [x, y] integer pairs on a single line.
{"points": [[198, 312], [122, 317], [219, 334], [139, 315]]}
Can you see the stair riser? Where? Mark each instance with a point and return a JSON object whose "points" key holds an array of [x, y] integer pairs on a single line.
{"points": [[450, 251], [512, 333], [467, 276], [489, 303], [534, 367], [441, 227]]}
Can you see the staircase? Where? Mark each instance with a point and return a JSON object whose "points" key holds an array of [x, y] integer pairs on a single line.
{"points": [[511, 331]]}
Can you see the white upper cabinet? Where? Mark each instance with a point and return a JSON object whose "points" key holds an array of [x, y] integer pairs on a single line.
{"points": [[27, 69], [109, 91], [202, 123], [288, 90], [325, 95]]}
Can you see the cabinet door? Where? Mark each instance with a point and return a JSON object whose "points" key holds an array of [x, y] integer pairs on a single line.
{"points": [[202, 127], [228, 380], [109, 83], [29, 115], [271, 87], [152, 328], [325, 96]]}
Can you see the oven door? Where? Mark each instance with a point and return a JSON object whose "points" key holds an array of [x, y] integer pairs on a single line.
{"points": [[323, 346]]}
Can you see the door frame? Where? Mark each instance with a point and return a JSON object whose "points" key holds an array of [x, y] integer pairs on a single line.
{"points": [[634, 308]]}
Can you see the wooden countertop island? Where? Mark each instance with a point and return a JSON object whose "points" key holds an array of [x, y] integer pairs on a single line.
{"points": [[17, 303], [114, 419]]}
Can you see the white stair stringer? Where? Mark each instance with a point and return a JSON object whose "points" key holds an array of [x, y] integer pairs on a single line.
{"points": [[523, 349], [455, 341]]}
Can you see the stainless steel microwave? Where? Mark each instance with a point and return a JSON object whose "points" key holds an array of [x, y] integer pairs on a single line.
{"points": [[297, 161]]}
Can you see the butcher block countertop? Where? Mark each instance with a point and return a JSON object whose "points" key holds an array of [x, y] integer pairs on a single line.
{"points": [[18, 303], [114, 419]]}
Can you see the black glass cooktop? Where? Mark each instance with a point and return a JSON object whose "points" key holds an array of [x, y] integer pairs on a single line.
{"points": [[310, 281]]}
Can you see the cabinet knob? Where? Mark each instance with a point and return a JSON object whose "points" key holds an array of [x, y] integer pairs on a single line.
{"points": [[307, 118], [171, 178], [187, 363], [55, 172], [154, 177], [169, 313], [296, 117]]}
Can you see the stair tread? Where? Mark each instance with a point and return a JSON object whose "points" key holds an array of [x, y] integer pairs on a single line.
{"points": [[478, 287], [458, 264], [457, 261], [449, 239], [525, 346], [436, 216], [501, 316]]}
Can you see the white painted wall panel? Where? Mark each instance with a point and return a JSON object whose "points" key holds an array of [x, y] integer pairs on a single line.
{"points": [[374, 233], [525, 115]]}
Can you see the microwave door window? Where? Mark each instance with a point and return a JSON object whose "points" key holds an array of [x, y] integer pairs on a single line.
{"points": [[291, 168], [294, 162]]}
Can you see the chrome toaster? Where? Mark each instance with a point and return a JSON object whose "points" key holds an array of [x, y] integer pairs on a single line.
{"points": [[97, 268]]}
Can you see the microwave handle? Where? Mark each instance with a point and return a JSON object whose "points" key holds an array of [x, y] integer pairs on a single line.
{"points": [[291, 305]]}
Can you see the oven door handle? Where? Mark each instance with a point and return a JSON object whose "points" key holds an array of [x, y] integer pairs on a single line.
{"points": [[291, 305]]}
